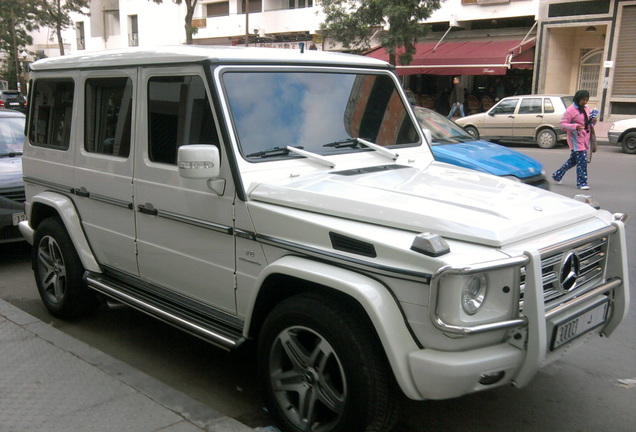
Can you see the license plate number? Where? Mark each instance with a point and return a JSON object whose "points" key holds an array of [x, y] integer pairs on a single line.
{"points": [[583, 323], [18, 217]]}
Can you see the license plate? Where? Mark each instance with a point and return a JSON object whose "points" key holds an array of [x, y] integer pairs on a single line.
{"points": [[14, 103], [18, 217], [581, 324]]}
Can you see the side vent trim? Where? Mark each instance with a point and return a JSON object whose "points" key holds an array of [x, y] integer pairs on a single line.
{"points": [[347, 244]]}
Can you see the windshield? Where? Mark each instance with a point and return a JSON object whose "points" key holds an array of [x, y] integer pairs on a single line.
{"points": [[318, 112], [443, 131], [11, 135]]}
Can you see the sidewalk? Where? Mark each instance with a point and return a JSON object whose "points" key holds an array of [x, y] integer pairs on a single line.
{"points": [[52, 382]]}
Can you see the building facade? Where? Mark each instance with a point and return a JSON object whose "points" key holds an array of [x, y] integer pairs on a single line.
{"points": [[498, 47]]}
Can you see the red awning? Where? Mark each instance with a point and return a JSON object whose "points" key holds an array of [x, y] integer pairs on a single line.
{"points": [[466, 57]]}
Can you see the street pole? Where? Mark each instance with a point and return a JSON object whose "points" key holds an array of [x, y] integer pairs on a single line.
{"points": [[247, 23]]}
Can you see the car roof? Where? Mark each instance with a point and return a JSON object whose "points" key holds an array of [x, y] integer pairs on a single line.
{"points": [[193, 54]]}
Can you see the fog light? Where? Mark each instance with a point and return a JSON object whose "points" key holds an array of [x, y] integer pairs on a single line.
{"points": [[474, 293], [491, 378]]}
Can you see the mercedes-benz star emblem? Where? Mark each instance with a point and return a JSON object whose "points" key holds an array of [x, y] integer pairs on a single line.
{"points": [[570, 268]]}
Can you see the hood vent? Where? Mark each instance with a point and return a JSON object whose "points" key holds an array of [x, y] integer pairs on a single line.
{"points": [[347, 244]]}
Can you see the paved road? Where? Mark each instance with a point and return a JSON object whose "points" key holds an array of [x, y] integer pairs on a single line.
{"points": [[592, 389]]}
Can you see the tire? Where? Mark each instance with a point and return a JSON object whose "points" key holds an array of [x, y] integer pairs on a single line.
{"points": [[323, 370], [58, 272], [546, 138], [472, 130], [629, 143]]}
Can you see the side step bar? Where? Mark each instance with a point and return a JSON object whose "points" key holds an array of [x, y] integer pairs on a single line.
{"points": [[193, 322]]}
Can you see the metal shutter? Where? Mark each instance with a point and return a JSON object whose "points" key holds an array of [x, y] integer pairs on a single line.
{"points": [[625, 66]]}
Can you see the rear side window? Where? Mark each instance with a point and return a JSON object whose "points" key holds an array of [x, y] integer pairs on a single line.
{"points": [[179, 114], [530, 106], [50, 122], [108, 115]]}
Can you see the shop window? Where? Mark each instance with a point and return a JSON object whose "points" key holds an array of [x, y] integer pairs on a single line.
{"points": [[108, 115], [591, 62], [50, 123]]}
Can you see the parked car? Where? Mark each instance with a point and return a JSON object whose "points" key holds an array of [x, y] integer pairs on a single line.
{"points": [[453, 145], [623, 133], [11, 185], [523, 119], [289, 200], [13, 99]]}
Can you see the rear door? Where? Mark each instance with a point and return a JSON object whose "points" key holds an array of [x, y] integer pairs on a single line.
{"points": [[184, 230], [529, 116], [104, 166]]}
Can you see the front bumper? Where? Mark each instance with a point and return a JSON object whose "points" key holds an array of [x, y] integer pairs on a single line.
{"points": [[613, 137]]}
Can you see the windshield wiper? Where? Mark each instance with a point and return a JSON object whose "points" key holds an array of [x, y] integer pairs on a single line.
{"points": [[348, 142], [11, 154], [355, 142], [271, 152]]}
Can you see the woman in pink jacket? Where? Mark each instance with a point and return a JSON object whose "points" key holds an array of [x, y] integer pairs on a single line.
{"points": [[577, 122]]}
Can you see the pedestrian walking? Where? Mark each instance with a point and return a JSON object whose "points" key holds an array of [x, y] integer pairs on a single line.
{"points": [[457, 99], [578, 124]]}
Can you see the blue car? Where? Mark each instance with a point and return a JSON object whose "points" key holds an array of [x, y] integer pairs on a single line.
{"points": [[453, 145]]}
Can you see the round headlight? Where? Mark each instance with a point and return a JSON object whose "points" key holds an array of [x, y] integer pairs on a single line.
{"points": [[474, 293]]}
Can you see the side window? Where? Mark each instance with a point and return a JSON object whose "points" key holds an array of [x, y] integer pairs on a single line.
{"points": [[547, 106], [52, 106], [506, 106], [179, 114], [107, 116], [530, 106]]}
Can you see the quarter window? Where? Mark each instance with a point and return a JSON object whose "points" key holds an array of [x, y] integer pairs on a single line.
{"points": [[548, 107], [52, 106], [108, 114], [179, 114]]}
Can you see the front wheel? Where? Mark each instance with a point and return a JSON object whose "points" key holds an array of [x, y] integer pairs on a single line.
{"points": [[546, 138], [629, 143], [58, 272], [322, 370], [472, 131]]}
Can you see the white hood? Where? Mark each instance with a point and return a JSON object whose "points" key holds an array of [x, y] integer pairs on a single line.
{"points": [[455, 203]]}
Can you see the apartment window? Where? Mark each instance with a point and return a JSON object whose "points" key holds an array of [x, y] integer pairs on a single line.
{"points": [[133, 31], [218, 9], [296, 4], [179, 114], [255, 6], [52, 106], [79, 35], [591, 62], [108, 114]]}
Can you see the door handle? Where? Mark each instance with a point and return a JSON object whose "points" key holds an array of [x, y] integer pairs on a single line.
{"points": [[82, 192], [148, 209]]}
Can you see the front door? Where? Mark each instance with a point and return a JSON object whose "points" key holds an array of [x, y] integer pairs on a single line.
{"points": [[499, 124], [184, 230]]}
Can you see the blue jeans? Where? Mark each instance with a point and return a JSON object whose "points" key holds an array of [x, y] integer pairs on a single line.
{"points": [[454, 108]]}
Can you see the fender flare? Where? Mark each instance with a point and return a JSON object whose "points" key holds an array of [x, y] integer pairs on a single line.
{"points": [[67, 212], [376, 300]]}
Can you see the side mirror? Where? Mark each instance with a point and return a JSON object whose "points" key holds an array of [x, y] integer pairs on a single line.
{"points": [[491, 113], [199, 161]]}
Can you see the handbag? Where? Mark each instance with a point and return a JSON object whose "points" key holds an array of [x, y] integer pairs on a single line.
{"points": [[593, 144]]}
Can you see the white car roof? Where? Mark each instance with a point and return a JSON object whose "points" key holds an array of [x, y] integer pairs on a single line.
{"points": [[192, 54]]}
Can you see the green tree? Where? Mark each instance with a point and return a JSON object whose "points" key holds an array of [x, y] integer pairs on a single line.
{"points": [[19, 19], [354, 22], [190, 5], [55, 14]]}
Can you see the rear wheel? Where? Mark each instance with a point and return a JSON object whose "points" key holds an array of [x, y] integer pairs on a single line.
{"points": [[322, 369], [472, 131], [546, 138], [58, 272], [629, 143]]}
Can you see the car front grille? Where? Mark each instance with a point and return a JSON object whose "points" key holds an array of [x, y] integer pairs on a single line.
{"points": [[592, 260], [14, 194]]}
